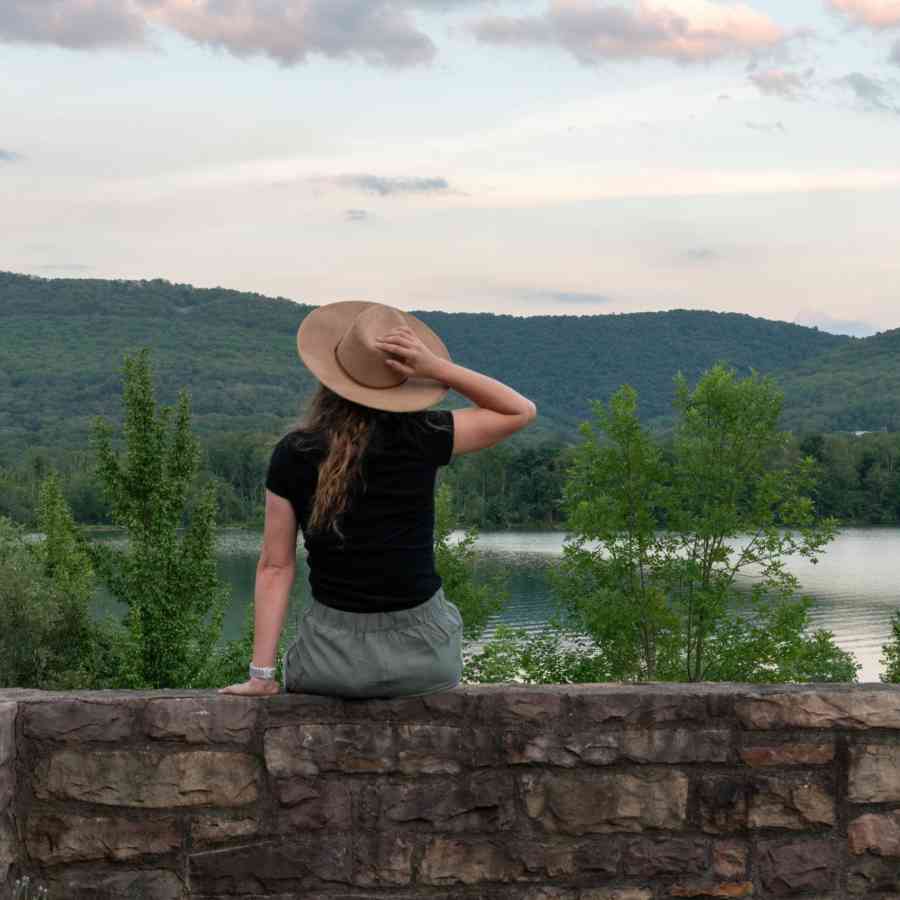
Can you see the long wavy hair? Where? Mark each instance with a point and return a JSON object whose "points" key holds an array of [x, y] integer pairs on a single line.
{"points": [[346, 428]]}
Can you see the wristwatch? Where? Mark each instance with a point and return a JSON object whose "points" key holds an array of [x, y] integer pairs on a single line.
{"points": [[266, 673]]}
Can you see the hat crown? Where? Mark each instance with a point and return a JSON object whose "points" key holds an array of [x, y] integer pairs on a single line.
{"points": [[357, 354]]}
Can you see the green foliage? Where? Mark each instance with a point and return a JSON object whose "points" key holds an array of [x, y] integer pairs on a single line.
{"points": [[555, 656], [168, 579], [454, 561], [675, 531]]}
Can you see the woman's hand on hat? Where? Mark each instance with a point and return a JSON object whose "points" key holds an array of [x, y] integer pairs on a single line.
{"points": [[411, 357]]}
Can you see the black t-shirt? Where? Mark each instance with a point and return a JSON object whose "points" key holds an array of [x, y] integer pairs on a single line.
{"points": [[386, 560]]}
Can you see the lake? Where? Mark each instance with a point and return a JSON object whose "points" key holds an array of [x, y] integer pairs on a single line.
{"points": [[855, 585]]}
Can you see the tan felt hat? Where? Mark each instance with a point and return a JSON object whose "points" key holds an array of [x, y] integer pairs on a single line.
{"points": [[337, 344]]}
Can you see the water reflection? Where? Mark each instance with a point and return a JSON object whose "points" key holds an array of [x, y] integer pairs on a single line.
{"points": [[854, 585]]}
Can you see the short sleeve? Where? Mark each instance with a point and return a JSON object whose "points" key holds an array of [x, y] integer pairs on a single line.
{"points": [[280, 476], [438, 436]]}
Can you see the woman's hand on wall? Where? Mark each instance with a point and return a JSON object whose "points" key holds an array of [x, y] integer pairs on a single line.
{"points": [[255, 687]]}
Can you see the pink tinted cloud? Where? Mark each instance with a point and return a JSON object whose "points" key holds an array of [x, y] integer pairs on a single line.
{"points": [[874, 13], [382, 32], [681, 30]]}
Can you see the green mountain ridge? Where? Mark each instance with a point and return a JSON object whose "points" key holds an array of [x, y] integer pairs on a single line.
{"points": [[63, 342]]}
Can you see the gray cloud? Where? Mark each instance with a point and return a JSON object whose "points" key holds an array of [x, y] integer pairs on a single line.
{"points": [[895, 54], [9, 156], [782, 83], [386, 186], [873, 94], [579, 297], [72, 23], [64, 267], [768, 127], [381, 32], [595, 33], [356, 215], [701, 255]]}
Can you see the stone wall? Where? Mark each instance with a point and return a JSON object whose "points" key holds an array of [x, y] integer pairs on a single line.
{"points": [[577, 792]]}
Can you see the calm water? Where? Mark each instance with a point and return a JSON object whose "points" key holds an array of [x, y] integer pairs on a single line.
{"points": [[855, 585]]}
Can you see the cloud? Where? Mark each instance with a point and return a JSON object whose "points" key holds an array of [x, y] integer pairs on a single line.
{"points": [[585, 298], [680, 30], [9, 156], [64, 267], [816, 319], [782, 83], [895, 54], [387, 186], [873, 13], [768, 127], [872, 93], [701, 255], [381, 32], [357, 215]]}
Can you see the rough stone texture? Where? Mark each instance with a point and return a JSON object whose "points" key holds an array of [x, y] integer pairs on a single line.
{"points": [[798, 866], [52, 838], [874, 773], [491, 792], [788, 755], [148, 779], [858, 708], [607, 802], [80, 720], [877, 833], [782, 803], [213, 720]]}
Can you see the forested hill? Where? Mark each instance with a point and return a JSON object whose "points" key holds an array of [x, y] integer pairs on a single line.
{"points": [[855, 387], [63, 342]]}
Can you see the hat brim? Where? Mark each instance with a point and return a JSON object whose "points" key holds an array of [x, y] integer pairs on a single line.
{"points": [[322, 329]]}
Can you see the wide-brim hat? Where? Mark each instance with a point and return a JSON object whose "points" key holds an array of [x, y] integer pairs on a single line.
{"points": [[337, 344]]}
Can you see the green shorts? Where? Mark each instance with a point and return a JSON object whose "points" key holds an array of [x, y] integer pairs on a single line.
{"points": [[403, 653]]}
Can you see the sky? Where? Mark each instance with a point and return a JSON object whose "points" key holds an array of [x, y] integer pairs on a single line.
{"points": [[527, 157]]}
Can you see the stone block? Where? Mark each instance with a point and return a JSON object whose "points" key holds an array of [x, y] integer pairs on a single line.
{"points": [[53, 838], [869, 876], [598, 855], [646, 705], [8, 846], [821, 708], [273, 867], [722, 802], [483, 801], [798, 866], [717, 889], [875, 833], [454, 860], [8, 712], [649, 858], [590, 802], [729, 860], [314, 804], [442, 749], [207, 831], [309, 749], [383, 858], [788, 803], [874, 773], [520, 703], [796, 754], [615, 894], [149, 779], [122, 884], [77, 720], [216, 719]]}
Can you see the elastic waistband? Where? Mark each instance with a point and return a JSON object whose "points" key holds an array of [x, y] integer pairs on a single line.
{"points": [[376, 621]]}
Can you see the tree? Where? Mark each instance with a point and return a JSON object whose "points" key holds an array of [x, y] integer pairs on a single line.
{"points": [[455, 563], [663, 593], [168, 579]]}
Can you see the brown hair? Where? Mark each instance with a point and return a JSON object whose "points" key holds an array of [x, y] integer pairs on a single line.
{"points": [[347, 428]]}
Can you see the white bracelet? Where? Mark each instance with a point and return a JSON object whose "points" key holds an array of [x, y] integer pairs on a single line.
{"points": [[266, 673]]}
